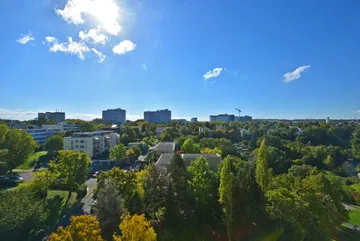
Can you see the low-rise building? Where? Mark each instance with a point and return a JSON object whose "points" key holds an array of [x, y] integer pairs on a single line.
{"points": [[206, 130], [213, 159], [93, 143], [40, 135], [165, 147], [62, 127]]}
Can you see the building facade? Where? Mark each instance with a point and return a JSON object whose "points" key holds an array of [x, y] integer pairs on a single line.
{"points": [[55, 116], [93, 143], [159, 116], [224, 117], [40, 135], [194, 119], [62, 127], [114, 116]]}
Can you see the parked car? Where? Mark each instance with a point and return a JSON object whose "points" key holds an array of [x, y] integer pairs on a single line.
{"points": [[94, 174]]}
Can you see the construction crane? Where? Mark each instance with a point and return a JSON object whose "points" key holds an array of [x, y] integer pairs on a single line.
{"points": [[239, 112]]}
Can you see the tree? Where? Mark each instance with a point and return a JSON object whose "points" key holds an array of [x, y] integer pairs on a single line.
{"points": [[207, 150], [329, 162], [308, 206], [190, 147], [155, 187], [108, 208], [15, 147], [136, 228], [262, 173], [124, 182], [225, 194], [72, 167], [54, 144], [118, 152], [133, 153], [164, 136], [202, 181], [87, 126], [81, 228], [355, 143], [178, 197], [124, 139], [20, 213]]}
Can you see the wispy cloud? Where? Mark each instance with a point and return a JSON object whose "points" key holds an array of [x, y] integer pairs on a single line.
{"points": [[213, 73], [94, 35], [124, 46], [17, 114], [296, 74], [82, 116], [71, 47], [25, 38], [101, 56], [105, 11], [144, 67]]}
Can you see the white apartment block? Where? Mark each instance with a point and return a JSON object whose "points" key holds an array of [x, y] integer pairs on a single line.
{"points": [[93, 143], [62, 127]]}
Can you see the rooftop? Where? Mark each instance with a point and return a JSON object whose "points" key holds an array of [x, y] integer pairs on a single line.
{"points": [[165, 147], [89, 134]]}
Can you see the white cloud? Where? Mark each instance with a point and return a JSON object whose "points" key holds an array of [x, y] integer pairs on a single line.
{"points": [[25, 38], [123, 47], [101, 56], [144, 67], [107, 12], [82, 116], [94, 35], [74, 48], [296, 74], [50, 39], [213, 73], [17, 114]]}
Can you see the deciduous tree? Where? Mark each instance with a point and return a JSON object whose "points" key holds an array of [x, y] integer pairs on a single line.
{"points": [[262, 173], [54, 144], [81, 228], [136, 228], [225, 194], [118, 152], [190, 147]]}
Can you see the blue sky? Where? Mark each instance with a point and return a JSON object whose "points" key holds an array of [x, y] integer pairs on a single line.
{"points": [[272, 59]]}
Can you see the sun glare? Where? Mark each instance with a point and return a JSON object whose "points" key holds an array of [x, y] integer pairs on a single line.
{"points": [[107, 12]]}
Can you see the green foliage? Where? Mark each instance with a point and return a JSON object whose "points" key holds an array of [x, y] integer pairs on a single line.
{"points": [[124, 183], [87, 126], [226, 147], [190, 147], [53, 144], [262, 174], [355, 143], [169, 134], [20, 214], [15, 148], [32, 160], [225, 194], [71, 167], [108, 208], [118, 152]]}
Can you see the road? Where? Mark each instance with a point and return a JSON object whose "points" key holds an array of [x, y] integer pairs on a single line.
{"points": [[87, 201]]}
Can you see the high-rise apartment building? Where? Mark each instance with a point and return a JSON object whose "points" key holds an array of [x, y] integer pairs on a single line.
{"points": [[55, 116], [159, 116], [114, 116], [194, 119], [224, 117]]}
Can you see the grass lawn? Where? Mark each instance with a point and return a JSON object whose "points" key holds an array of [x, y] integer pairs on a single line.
{"points": [[31, 161], [354, 217]]}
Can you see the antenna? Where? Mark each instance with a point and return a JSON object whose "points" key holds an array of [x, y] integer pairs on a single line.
{"points": [[239, 112]]}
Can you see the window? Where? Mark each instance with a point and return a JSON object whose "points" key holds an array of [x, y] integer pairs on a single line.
{"points": [[76, 141], [82, 141], [81, 146], [76, 146]]}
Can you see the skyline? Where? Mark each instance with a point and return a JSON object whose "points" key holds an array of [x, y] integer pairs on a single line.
{"points": [[284, 60]]}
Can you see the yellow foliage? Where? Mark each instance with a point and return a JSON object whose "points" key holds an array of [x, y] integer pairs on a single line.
{"points": [[135, 228], [140, 179], [81, 228], [207, 150]]}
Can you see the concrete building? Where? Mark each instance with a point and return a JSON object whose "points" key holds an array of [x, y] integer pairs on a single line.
{"points": [[55, 116], [62, 127], [207, 131], [114, 116], [194, 119], [93, 143], [328, 120], [213, 159], [244, 118], [165, 147], [224, 117], [40, 135], [159, 116]]}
